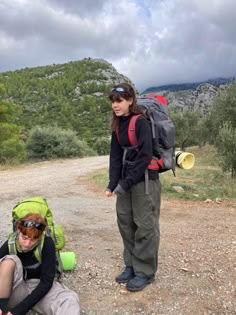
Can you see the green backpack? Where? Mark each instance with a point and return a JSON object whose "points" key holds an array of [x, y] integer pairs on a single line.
{"points": [[55, 231]]}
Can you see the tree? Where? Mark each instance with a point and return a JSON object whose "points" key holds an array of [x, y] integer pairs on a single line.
{"points": [[226, 145], [11, 147], [186, 124], [223, 118]]}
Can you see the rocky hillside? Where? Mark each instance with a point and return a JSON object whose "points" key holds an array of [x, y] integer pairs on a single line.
{"points": [[74, 96], [105, 75], [199, 99], [192, 96], [70, 96]]}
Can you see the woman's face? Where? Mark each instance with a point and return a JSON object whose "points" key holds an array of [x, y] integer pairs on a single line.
{"points": [[25, 242], [121, 107]]}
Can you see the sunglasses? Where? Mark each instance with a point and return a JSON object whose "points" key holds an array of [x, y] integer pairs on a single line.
{"points": [[37, 225], [118, 89]]}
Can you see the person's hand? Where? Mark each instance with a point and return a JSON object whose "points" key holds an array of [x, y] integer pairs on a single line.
{"points": [[8, 313], [108, 193]]}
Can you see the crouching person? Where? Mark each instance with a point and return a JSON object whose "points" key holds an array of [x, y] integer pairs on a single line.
{"points": [[27, 284]]}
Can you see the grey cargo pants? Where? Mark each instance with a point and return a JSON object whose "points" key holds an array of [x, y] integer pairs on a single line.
{"points": [[138, 217], [59, 300]]}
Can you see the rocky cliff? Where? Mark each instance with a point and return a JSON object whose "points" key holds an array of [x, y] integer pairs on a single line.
{"points": [[197, 98], [200, 99], [106, 75]]}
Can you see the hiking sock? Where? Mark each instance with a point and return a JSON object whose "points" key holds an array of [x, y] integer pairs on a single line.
{"points": [[3, 304]]}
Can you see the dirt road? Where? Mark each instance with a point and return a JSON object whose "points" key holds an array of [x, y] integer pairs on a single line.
{"points": [[197, 259]]}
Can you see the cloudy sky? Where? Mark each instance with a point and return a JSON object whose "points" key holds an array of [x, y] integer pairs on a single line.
{"points": [[153, 42]]}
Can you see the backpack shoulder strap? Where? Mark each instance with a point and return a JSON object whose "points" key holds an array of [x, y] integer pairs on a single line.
{"points": [[39, 248], [132, 130], [12, 243]]}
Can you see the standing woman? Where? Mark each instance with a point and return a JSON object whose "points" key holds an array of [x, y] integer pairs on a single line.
{"points": [[138, 211]]}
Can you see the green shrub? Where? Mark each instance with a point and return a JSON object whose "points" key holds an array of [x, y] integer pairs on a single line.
{"points": [[53, 142], [12, 151], [102, 145]]}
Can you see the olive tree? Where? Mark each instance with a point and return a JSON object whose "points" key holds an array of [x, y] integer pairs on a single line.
{"points": [[223, 119]]}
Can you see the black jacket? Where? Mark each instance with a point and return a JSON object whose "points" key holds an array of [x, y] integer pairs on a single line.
{"points": [[134, 172]]}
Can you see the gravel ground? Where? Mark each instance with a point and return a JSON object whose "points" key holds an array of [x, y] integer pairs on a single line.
{"points": [[197, 258]]}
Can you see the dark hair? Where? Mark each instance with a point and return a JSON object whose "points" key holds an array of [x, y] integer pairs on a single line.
{"points": [[32, 225], [126, 91]]}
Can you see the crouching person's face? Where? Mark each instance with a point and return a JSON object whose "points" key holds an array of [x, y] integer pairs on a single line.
{"points": [[26, 243], [30, 229]]}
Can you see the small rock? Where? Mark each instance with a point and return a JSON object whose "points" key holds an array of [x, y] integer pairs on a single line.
{"points": [[208, 200], [178, 189]]}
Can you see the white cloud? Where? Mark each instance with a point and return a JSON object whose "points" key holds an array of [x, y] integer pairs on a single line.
{"points": [[153, 42]]}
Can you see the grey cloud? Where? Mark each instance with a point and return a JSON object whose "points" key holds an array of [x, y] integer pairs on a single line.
{"points": [[152, 42], [72, 32], [84, 8], [192, 41]]}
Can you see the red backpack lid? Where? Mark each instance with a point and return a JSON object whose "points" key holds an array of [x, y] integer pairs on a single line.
{"points": [[159, 98]]}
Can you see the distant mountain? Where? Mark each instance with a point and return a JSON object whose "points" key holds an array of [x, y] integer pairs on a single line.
{"points": [[187, 86], [197, 96]]}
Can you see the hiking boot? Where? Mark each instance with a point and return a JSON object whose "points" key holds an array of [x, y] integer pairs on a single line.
{"points": [[126, 275], [138, 283]]}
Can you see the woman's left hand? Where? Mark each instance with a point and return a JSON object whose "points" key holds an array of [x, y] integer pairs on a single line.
{"points": [[108, 193]]}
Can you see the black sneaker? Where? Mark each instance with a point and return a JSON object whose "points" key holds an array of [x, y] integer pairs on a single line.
{"points": [[138, 283], [126, 275]]}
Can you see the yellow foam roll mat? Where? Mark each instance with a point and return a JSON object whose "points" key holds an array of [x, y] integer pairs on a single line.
{"points": [[184, 160]]}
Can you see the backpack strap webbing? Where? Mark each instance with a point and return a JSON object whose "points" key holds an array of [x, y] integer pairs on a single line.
{"points": [[155, 163], [39, 248], [132, 131], [12, 243]]}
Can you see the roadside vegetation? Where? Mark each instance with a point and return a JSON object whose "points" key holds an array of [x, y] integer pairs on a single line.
{"points": [[204, 182], [61, 111]]}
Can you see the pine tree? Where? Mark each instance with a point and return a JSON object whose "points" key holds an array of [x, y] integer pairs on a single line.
{"points": [[11, 147]]}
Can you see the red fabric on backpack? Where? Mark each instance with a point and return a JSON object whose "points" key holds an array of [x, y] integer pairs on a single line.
{"points": [[154, 163], [159, 98]]}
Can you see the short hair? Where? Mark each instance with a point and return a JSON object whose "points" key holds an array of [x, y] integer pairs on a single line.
{"points": [[32, 225]]}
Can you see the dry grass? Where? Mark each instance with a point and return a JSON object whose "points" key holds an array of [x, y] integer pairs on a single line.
{"points": [[204, 181]]}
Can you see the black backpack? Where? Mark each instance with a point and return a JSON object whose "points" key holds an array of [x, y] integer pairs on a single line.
{"points": [[163, 132]]}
